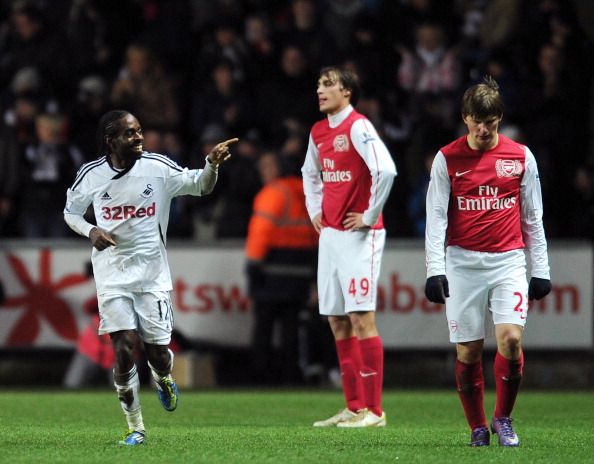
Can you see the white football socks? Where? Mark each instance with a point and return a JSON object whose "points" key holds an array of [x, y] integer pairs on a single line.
{"points": [[127, 385]]}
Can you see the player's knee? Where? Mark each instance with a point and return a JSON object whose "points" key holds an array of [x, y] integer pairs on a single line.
{"points": [[341, 326], [363, 324], [158, 356], [511, 341], [124, 343], [469, 352]]}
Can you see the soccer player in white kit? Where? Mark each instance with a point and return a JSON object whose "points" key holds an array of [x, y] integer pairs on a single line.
{"points": [[484, 209], [347, 176], [131, 192]]}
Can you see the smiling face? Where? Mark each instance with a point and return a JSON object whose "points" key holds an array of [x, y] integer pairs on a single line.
{"points": [[332, 95], [126, 144]]}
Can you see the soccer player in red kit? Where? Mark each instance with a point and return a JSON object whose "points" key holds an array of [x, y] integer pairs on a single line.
{"points": [[484, 209], [347, 176]]}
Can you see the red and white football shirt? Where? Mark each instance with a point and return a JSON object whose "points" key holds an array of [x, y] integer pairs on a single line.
{"points": [[347, 169], [486, 202]]}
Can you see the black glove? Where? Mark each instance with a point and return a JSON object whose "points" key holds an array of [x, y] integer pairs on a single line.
{"points": [[538, 288], [437, 289]]}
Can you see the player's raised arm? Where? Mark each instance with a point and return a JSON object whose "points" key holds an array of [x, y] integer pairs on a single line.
{"points": [[207, 177], [221, 152]]}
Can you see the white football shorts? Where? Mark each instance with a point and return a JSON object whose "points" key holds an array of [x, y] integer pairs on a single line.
{"points": [[480, 282], [348, 270], [149, 313]]}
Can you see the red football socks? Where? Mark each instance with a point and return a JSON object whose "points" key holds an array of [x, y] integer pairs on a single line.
{"points": [[349, 359], [508, 377], [372, 372], [471, 390]]}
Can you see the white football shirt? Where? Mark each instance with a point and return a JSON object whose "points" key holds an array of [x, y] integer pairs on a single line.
{"points": [[133, 205]]}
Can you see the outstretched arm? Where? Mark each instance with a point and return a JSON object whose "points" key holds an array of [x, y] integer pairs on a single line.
{"points": [[218, 155]]}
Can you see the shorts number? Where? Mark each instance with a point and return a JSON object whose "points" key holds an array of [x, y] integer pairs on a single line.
{"points": [[165, 311], [518, 307], [363, 287]]}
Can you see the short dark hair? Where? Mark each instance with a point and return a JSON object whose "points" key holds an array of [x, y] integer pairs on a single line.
{"points": [[108, 127], [347, 78], [483, 100]]}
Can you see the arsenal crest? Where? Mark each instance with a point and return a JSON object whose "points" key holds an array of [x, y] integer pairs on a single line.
{"points": [[508, 168], [341, 143]]}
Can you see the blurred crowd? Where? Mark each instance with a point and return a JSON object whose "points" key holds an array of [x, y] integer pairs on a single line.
{"points": [[198, 71]]}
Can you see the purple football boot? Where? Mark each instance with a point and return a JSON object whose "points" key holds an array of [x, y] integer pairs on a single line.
{"points": [[480, 437], [502, 426]]}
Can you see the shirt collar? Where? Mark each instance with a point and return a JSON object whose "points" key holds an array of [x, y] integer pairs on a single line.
{"points": [[336, 119]]}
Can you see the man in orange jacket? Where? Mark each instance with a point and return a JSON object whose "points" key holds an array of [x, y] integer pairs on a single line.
{"points": [[281, 250]]}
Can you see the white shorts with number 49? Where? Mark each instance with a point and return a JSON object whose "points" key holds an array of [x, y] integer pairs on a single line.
{"points": [[481, 282], [149, 313], [348, 270]]}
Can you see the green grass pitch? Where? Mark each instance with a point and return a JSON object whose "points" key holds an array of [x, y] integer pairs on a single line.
{"points": [[274, 426]]}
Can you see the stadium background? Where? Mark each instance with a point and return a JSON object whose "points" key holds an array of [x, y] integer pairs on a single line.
{"points": [[202, 70]]}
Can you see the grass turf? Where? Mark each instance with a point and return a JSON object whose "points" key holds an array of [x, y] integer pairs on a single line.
{"points": [[274, 426]]}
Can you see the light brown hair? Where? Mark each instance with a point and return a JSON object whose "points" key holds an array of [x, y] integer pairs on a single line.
{"points": [[483, 100]]}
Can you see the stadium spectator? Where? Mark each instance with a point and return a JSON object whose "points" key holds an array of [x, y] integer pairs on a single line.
{"points": [[144, 86], [400, 19], [240, 182], [168, 32], [129, 259], [222, 102], [306, 30], [92, 101], [484, 202], [281, 257], [347, 176], [22, 102], [98, 30], [48, 165], [262, 49], [32, 42], [339, 19], [367, 51], [222, 41], [499, 24], [430, 73], [281, 112], [46, 68]]}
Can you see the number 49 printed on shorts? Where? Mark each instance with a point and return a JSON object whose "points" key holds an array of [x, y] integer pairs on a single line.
{"points": [[359, 288]]}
